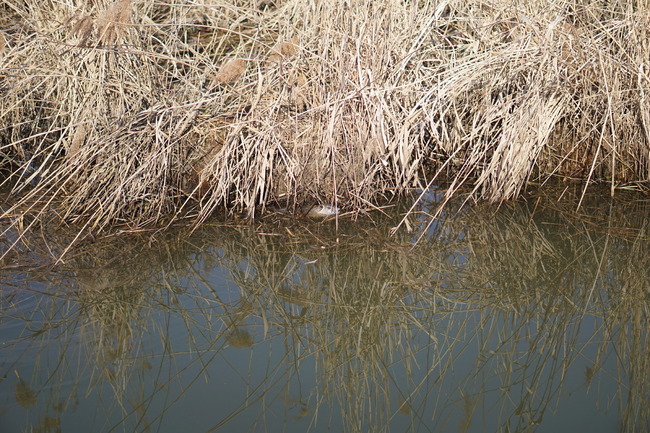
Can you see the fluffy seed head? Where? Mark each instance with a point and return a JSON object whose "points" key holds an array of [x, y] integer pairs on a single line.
{"points": [[113, 21], [230, 71], [284, 50]]}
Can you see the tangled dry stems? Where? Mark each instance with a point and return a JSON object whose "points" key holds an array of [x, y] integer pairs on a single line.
{"points": [[139, 112]]}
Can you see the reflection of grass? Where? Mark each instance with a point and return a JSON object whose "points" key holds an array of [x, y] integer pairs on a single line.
{"points": [[384, 324]]}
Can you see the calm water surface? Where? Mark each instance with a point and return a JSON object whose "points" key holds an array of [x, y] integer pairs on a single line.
{"points": [[529, 318]]}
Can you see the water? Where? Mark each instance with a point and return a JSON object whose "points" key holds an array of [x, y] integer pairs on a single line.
{"points": [[529, 318]]}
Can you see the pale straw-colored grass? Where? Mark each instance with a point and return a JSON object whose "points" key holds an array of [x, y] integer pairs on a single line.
{"points": [[139, 113]]}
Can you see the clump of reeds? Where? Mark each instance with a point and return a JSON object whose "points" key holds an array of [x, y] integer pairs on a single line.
{"points": [[135, 114]]}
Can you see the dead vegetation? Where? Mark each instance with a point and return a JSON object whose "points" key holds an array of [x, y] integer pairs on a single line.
{"points": [[134, 113]]}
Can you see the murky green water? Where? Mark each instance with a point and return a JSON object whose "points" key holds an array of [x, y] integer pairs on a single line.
{"points": [[532, 318]]}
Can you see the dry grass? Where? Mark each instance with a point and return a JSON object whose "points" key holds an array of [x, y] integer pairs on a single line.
{"points": [[139, 113]]}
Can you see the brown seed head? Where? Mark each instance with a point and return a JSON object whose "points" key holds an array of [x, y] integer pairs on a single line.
{"points": [[77, 140], [113, 21], [83, 28], [230, 71], [297, 95], [284, 50]]}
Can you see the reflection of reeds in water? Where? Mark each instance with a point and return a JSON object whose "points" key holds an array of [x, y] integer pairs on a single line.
{"points": [[628, 324], [347, 316], [554, 266], [363, 308]]}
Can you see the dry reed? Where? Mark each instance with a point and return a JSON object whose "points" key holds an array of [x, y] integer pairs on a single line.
{"points": [[122, 117]]}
